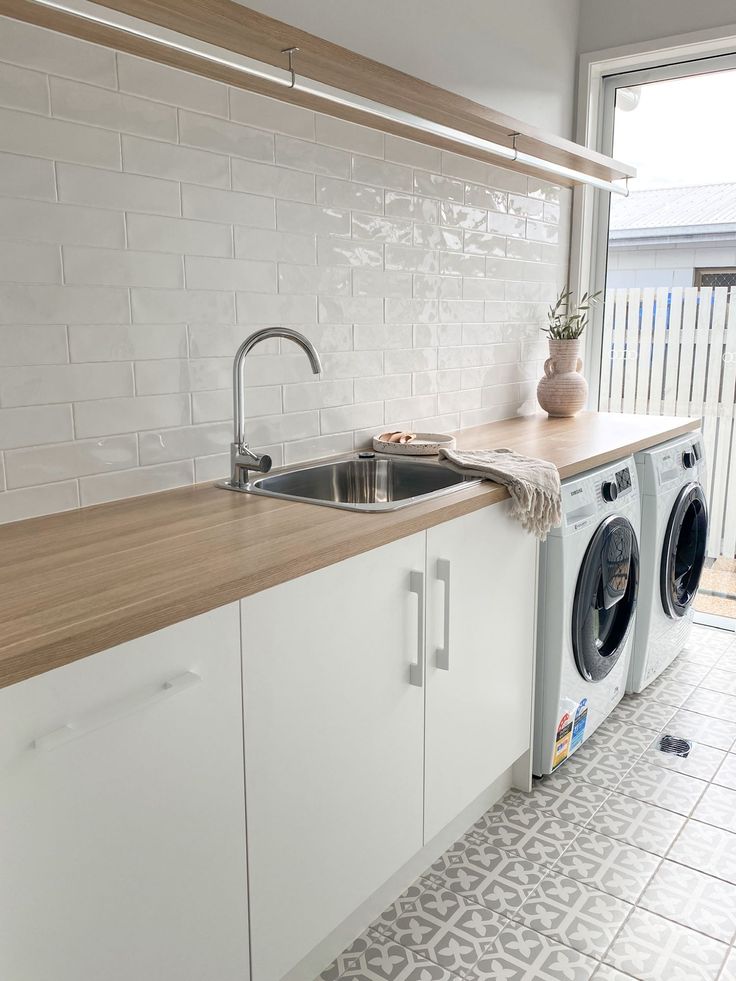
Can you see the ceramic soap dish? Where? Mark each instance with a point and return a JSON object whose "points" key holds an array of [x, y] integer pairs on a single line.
{"points": [[420, 444]]}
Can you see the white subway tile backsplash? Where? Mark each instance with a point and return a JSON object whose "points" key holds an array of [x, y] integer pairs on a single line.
{"points": [[278, 182], [252, 243], [121, 267], [313, 279], [27, 177], [112, 110], [42, 304], [121, 192], [237, 207], [350, 309], [155, 306], [348, 194], [134, 483], [34, 425], [126, 342], [161, 83], [271, 114], [33, 344], [412, 154], [109, 416], [23, 89], [176, 163], [368, 170], [332, 131], [206, 273], [55, 54], [222, 136], [56, 139], [334, 252], [311, 157], [47, 384], [25, 263], [62, 461], [309, 219], [191, 214], [151, 233]]}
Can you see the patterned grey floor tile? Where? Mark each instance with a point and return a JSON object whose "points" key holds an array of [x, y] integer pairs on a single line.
{"points": [[521, 954], [597, 766], [693, 899], [712, 703], [707, 849], [564, 797], [717, 806], [664, 788], [726, 776], [670, 692], [651, 948], [729, 968], [688, 672], [637, 823], [721, 680], [439, 925], [643, 712], [616, 736], [709, 639], [607, 973], [608, 865], [574, 914], [702, 761], [702, 729], [525, 832], [372, 958], [485, 875]]}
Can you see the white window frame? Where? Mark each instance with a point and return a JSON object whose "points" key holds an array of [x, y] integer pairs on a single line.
{"points": [[600, 73]]}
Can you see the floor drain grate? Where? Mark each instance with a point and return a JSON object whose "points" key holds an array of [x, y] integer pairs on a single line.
{"points": [[675, 746]]}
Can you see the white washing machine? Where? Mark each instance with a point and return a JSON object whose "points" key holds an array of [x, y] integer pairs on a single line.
{"points": [[588, 587], [674, 532]]}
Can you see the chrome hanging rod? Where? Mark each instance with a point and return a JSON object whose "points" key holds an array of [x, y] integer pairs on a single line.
{"points": [[288, 79]]}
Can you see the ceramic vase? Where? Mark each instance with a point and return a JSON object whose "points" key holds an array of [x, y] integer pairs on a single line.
{"points": [[563, 391]]}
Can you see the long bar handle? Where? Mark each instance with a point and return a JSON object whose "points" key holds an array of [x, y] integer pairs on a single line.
{"points": [[442, 655], [416, 671], [98, 718]]}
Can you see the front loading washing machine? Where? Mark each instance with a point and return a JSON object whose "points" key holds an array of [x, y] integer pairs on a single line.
{"points": [[674, 532], [588, 587]]}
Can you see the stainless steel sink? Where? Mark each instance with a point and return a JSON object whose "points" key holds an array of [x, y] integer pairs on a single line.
{"points": [[360, 483]]}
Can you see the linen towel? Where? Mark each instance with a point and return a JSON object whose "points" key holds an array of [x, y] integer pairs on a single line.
{"points": [[534, 485]]}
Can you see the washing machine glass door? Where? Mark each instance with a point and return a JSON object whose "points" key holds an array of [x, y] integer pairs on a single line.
{"points": [[683, 551], [605, 598]]}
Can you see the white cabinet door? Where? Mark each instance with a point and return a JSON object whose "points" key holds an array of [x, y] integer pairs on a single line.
{"points": [[122, 825], [333, 745], [481, 598]]}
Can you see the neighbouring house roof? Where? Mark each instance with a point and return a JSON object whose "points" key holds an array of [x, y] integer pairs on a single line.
{"points": [[706, 209]]}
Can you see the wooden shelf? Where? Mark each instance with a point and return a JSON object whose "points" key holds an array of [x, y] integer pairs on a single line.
{"points": [[238, 29]]}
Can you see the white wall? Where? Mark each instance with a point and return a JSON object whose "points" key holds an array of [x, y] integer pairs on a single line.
{"points": [[672, 265], [518, 57], [150, 220], [610, 23]]}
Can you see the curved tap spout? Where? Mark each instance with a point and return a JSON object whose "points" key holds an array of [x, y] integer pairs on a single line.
{"points": [[243, 458]]}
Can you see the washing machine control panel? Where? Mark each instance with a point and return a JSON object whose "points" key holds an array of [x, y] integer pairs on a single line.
{"points": [[586, 498], [675, 461], [609, 491]]}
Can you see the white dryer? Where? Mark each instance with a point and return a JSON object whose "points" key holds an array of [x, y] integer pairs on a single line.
{"points": [[674, 532], [588, 587]]}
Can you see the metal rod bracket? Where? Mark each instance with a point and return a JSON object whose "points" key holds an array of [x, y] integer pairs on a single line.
{"points": [[291, 52]]}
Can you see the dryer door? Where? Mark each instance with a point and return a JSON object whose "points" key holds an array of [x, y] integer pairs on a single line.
{"points": [[683, 552], [605, 598]]}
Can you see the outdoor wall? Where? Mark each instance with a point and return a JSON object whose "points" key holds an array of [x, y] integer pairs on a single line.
{"points": [[604, 24], [150, 220], [672, 265], [517, 57]]}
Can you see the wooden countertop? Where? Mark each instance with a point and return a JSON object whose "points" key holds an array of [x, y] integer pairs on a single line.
{"points": [[75, 583]]}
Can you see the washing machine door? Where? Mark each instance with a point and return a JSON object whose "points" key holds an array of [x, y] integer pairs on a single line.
{"points": [[605, 598], [683, 551]]}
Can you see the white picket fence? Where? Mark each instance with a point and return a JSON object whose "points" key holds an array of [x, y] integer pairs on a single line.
{"points": [[673, 352]]}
